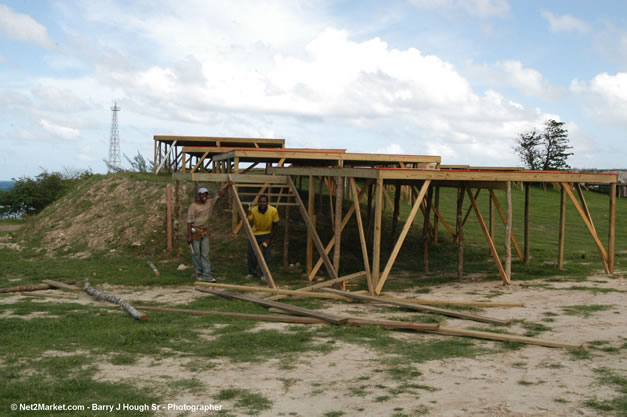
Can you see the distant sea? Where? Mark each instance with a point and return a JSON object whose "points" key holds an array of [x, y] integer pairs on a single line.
{"points": [[6, 185]]}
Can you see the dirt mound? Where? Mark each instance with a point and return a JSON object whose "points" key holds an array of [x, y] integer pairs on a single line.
{"points": [[115, 211]]}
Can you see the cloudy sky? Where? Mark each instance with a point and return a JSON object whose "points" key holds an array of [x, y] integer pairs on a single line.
{"points": [[456, 78]]}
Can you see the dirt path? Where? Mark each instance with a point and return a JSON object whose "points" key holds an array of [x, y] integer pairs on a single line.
{"points": [[9, 227]]}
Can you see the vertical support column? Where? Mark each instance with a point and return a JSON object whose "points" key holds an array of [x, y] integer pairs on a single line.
{"points": [[612, 229], [397, 209], [311, 210], [560, 250], [526, 238], [168, 193], [459, 233], [339, 197], [436, 216], [508, 231], [426, 230], [491, 217], [376, 240], [286, 235]]}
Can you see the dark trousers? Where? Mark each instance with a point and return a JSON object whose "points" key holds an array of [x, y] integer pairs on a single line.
{"points": [[253, 265]]}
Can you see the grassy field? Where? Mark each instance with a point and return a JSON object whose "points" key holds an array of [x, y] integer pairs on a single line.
{"points": [[52, 349]]}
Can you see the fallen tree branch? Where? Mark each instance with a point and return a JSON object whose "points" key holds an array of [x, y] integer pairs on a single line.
{"points": [[60, 285], [154, 268], [116, 300]]}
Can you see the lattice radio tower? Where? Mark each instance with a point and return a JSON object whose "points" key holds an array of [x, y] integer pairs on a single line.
{"points": [[113, 163]]}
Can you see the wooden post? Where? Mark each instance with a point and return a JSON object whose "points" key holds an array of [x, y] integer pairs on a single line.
{"points": [[286, 235], [508, 231], [459, 234], [612, 229], [339, 197], [168, 192], [426, 231], [562, 228], [526, 238], [436, 215], [362, 236], [376, 240], [491, 214], [369, 214], [312, 212], [397, 206]]}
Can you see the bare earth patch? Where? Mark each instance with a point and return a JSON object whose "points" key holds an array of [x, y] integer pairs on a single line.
{"points": [[531, 381]]}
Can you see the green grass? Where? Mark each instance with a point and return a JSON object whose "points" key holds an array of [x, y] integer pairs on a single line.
{"points": [[616, 406], [586, 310]]}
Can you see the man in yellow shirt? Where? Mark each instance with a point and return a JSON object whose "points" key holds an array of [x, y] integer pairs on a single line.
{"points": [[265, 219]]}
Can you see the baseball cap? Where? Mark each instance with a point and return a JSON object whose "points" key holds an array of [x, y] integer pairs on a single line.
{"points": [[203, 190]]}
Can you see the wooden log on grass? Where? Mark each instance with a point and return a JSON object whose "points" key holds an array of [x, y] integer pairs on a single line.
{"points": [[116, 300], [417, 307], [34, 287], [286, 307]]}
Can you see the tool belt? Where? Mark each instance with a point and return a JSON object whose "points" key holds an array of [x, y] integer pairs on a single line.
{"points": [[198, 232]]}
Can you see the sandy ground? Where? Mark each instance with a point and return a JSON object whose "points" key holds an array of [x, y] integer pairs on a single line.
{"points": [[531, 381]]}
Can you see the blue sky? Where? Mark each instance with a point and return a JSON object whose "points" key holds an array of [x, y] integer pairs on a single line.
{"points": [[456, 78]]}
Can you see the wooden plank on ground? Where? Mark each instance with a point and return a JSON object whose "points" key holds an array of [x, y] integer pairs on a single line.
{"points": [[61, 285], [276, 291], [284, 318], [504, 337], [422, 301], [417, 307], [323, 284], [286, 307], [34, 287]]}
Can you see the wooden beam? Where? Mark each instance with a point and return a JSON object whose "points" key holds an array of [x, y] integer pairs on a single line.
{"points": [[376, 239], [562, 229], [526, 226], [504, 219], [436, 215], [61, 285], [590, 226], [423, 301], [303, 212], [331, 243], [165, 157], [401, 238], [286, 307], [337, 232], [611, 243], [362, 236], [326, 283], [416, 307], [504, 337], [459, 233], [311, 207], [251, 238], [486, 233], [275, 291], [426, 231], [508, 231]]}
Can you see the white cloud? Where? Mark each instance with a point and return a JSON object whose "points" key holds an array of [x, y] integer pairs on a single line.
{"points": [[62, 132], [481, 8], [607, 96], [392, 149], [565, 23], [528, 80], [23, 28]]}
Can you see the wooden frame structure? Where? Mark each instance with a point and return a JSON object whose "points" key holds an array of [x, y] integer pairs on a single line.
{"points": [[417, 177], [169, 151]]}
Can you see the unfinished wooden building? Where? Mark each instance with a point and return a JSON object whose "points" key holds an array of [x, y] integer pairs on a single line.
{"points": [[259, 166]]}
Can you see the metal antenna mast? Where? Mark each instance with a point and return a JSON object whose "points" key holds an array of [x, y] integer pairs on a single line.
{"points": [[114, 143]]}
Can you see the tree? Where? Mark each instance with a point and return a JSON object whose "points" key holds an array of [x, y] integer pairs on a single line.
{"points": [[32, 195], [547, 150]]}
